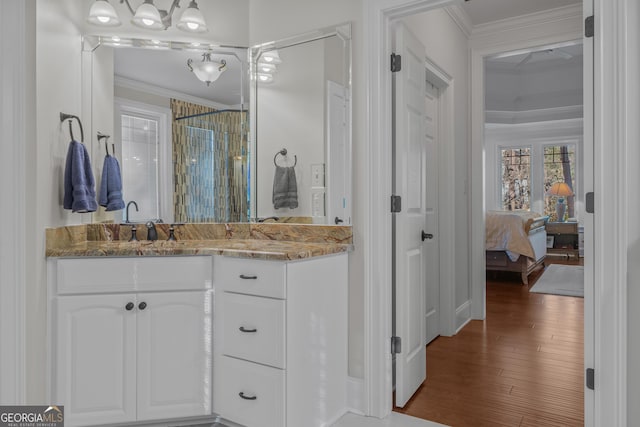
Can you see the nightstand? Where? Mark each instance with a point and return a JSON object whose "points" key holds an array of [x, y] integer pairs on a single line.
{"points": [[565, 238]]}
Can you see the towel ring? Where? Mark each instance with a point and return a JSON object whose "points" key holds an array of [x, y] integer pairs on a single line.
{"points": [[106, 142], [283, 152], [70, 117]]}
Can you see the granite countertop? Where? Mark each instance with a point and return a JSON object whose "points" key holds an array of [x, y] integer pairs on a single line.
{"points": [[263, 241]]}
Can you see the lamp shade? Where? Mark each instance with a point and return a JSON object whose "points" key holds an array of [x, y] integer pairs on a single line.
{"points": [[192, 20], [559, 189], [207, 70], [148, 16], [103, 14]]}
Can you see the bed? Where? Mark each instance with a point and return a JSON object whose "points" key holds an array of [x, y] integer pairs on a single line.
{"points": [[515, 241]]}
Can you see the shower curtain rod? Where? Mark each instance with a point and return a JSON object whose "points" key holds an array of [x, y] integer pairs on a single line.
{"points": [[210, 113]]}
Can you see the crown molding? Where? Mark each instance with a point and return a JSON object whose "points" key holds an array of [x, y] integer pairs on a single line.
{"points": [[532, 116], [167, 93], [461, 18], [550, 16]]}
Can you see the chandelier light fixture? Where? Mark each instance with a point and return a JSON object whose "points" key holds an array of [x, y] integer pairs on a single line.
{"points": [[207, 70], [148, 16]]}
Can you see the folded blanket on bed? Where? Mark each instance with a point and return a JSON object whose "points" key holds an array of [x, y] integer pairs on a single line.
{"points": [[508, 231]]}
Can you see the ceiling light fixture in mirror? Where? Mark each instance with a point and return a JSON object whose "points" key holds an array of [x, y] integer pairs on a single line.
{"points": [[207, 70], [148, 16]]}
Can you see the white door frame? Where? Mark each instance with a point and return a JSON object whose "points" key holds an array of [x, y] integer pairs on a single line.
{"points": [[610, 398], [18, 133]]}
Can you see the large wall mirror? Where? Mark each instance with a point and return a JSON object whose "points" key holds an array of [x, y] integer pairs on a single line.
{"points": [[301, 127], [192, 151]]}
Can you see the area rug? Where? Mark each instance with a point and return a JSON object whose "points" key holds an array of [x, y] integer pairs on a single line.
{"points": [[560, 279]]}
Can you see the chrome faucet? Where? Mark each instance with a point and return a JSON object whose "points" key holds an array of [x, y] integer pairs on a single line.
{"points": [[126, 218]]}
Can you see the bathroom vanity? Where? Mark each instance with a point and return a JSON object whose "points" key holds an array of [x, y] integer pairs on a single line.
{"points": [[241, 330]]}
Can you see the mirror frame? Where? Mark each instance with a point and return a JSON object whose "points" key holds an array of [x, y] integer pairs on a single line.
{"points": [[343, 32]]}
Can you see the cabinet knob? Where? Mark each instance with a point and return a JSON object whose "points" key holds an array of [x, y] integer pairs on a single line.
{"points": [[142, 305], [245, 397], [129, 306], [243, 329], [246, 277]]}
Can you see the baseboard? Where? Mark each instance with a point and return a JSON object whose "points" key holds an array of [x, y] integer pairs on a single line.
{"points": [[463, 315], [355, 395]]}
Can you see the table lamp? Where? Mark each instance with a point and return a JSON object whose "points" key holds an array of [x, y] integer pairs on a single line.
{"points": [[560, 190]]}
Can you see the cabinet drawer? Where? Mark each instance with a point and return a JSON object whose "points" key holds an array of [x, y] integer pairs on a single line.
{"points": [[496, 259], [98, 275], [249, 276], [253, 328], [562, 227], [263, 389]]}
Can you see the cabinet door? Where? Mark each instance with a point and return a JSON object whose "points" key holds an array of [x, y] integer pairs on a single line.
{"points": [[174, 354], [95, 359]]}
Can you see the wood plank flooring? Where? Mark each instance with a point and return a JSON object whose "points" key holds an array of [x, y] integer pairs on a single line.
{"points": [[522, 366]]}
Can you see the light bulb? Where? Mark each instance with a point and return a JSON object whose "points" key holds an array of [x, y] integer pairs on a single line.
{"points": [[192, 25], [103, 19], [147, 22]]}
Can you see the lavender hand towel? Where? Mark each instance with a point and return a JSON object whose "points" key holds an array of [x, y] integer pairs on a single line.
{"points": [[111, 185], [285, 188], [79, 184]]}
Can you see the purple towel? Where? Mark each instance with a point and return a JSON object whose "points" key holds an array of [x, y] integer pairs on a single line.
{"points": [[79, 184], [111, 185]]}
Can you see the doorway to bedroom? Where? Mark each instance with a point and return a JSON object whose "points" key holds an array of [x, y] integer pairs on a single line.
{"points": [[523, 129]]}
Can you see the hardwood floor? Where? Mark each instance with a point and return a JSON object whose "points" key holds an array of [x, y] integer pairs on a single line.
{"points": [[522, 366]]}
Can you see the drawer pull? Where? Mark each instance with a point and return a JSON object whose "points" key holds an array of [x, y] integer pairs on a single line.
{"points": [[242, 395], [244, 276], [129, 306], [243, 329]]}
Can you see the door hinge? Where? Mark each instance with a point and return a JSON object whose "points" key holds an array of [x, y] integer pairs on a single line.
{"points": [[591, 378], [588, 199], [396, 345], [396, 63], [396, 204], [588, 26]]}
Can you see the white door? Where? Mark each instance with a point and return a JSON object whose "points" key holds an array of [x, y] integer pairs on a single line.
{"points": [[338, 156], [431, 249], [174, 377], [95, 359], [409, 224]]}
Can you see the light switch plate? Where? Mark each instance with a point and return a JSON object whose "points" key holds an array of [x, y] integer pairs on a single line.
{"points": [[317, 175]]}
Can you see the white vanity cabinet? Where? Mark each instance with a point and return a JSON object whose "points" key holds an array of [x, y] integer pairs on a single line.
{"points": [[280, 341], [130, 338]]}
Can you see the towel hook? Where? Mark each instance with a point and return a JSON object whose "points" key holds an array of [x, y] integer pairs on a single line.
{"points": [[106, 142], [283, 152], [70, 117]]}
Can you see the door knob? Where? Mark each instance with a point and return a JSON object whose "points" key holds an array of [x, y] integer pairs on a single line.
{"points": [[142, 305], [129, 306], [426, 236]]}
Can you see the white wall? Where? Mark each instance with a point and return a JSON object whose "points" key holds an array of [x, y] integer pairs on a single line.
{"points": [[432, 28]]}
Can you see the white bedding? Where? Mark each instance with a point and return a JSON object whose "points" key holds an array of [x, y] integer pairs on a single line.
{"points": [[508, 231]]}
